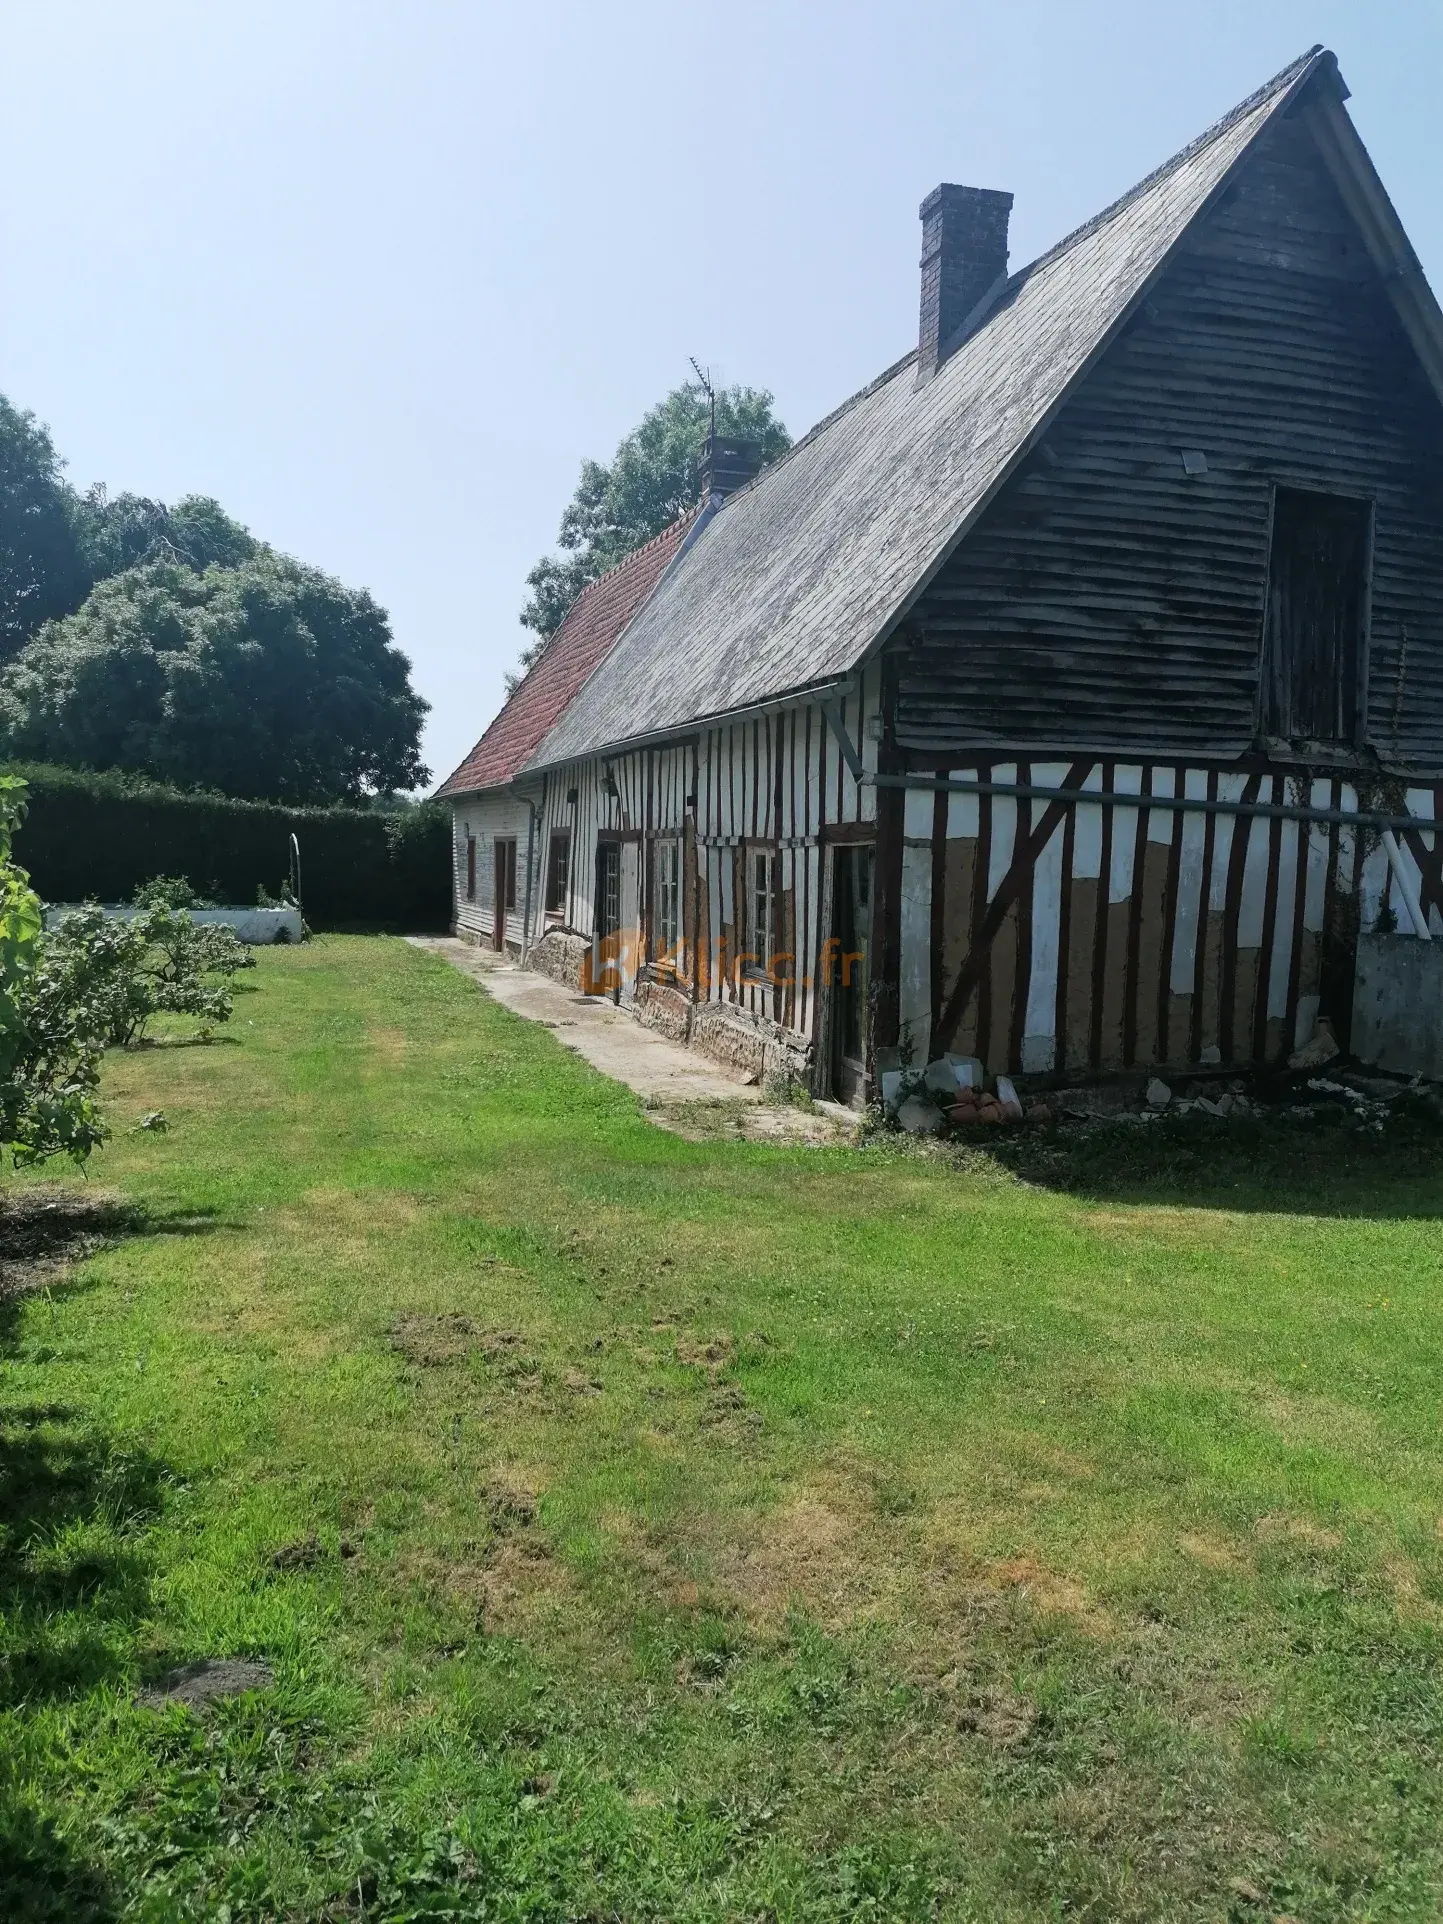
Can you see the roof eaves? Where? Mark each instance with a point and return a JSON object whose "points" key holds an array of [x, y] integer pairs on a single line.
{"points": [[688, 730], [1366, 198]]}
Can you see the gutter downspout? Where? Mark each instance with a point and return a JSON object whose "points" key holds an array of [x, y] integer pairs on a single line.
{"points": [[1405, 886], [532, 815]]}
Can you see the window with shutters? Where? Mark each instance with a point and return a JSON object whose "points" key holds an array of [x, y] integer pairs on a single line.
{"points": [[1317, 612], [470, 868]]}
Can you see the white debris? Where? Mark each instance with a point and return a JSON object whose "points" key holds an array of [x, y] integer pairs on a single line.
{"points": [[891, 1088], [1158, 1094], [1322, 1048], [1007, 1097], [920, 1117]]}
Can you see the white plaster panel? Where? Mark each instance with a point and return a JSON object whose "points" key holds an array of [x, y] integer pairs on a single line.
{"points": [[1126, 781], [1004, 830], [1046, 924], [917, 814], [962, 811], [1160, 821], [916, 919]]}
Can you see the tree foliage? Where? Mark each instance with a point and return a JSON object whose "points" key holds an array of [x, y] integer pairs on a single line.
{"points": [[55, 544], [267, 680], [127, 531], [654, 476], [166, 640], [118, 972], [43, 567], [49, 1058]]}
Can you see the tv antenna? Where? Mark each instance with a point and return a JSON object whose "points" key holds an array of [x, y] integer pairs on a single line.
{"points": [[707, 389]]}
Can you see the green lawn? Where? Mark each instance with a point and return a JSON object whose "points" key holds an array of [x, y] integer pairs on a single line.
{"points": [[711, 1530]]}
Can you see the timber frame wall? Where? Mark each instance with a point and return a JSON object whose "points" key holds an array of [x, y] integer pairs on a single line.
{"points": [[1076, 938], [775, 781]]}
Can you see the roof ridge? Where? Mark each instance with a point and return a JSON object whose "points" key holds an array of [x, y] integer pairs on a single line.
{"points": [[1283, 78], [632, 553]]}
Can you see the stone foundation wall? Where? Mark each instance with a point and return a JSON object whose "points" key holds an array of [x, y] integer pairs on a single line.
{"points": [[559, 955], [754, 1045], [664, 1008]]}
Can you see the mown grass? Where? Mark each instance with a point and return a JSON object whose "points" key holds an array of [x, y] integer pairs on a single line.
{"points": [[711, 1530]]}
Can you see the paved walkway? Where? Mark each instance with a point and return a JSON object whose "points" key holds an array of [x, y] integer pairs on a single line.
{"points": [[611, 1041]]}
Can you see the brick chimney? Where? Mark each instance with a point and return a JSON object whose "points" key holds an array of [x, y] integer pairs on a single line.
{"points": [[964, 255], [728, 464]]}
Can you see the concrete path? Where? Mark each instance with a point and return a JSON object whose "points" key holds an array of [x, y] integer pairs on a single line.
{"points": [[611, 1041]]}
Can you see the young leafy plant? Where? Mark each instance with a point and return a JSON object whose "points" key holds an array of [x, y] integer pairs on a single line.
{"points": [[117, 972], [49, 1060]]}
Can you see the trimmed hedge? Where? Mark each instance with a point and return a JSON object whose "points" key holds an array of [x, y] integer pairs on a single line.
{"points": [[90, 837]]}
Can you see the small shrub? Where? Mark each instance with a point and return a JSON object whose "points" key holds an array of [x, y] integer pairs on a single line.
{"points": [[117, 972], [49, 1060], [169, 892]]}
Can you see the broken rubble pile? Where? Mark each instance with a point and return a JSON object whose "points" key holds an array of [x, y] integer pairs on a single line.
{"points": [[953, 1094]]}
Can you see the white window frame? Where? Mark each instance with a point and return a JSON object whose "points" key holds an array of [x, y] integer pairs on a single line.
{"points": [[666, 899], [763, 907]]}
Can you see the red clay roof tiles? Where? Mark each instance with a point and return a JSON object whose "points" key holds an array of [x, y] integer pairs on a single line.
{"points": [[592, 624]]}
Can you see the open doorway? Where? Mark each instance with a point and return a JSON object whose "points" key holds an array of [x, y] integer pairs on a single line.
{"points": [[852, 935]]}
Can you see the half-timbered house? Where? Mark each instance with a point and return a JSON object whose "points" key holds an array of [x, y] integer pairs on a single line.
{"points": [[497, 891], [1073, 695]]}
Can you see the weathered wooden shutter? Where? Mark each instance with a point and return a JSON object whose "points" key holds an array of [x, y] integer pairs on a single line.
{"points": [[1312, 673]]}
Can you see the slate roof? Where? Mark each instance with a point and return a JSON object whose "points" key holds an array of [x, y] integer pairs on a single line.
{"points": [[798, 575], [592, 624]]}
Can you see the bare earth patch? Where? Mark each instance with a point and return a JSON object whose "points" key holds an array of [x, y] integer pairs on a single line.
{"points": [[1213, 1552], [433, 1341], [751, 1122], [1047, 1592], [801, 1551], [1295, 1529], [47, 1227]]}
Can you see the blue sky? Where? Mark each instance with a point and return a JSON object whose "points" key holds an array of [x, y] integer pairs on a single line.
{"points": [[379, 275]]}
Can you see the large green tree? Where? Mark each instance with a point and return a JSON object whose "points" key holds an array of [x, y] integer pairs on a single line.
{"points": [[654, 476], [44, 570], [123, 531], [55, 544], [267, 680]]}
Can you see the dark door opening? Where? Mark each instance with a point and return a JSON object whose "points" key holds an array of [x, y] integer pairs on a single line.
{"points": [[504, 890], [1313, 652], [852, 934], [608, 915]]}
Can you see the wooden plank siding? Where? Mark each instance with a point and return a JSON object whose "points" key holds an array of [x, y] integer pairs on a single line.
{"points": [[1108, 599], [486, 817]]}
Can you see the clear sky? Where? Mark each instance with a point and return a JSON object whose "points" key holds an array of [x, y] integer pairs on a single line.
{"points": [[379, 273]]}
